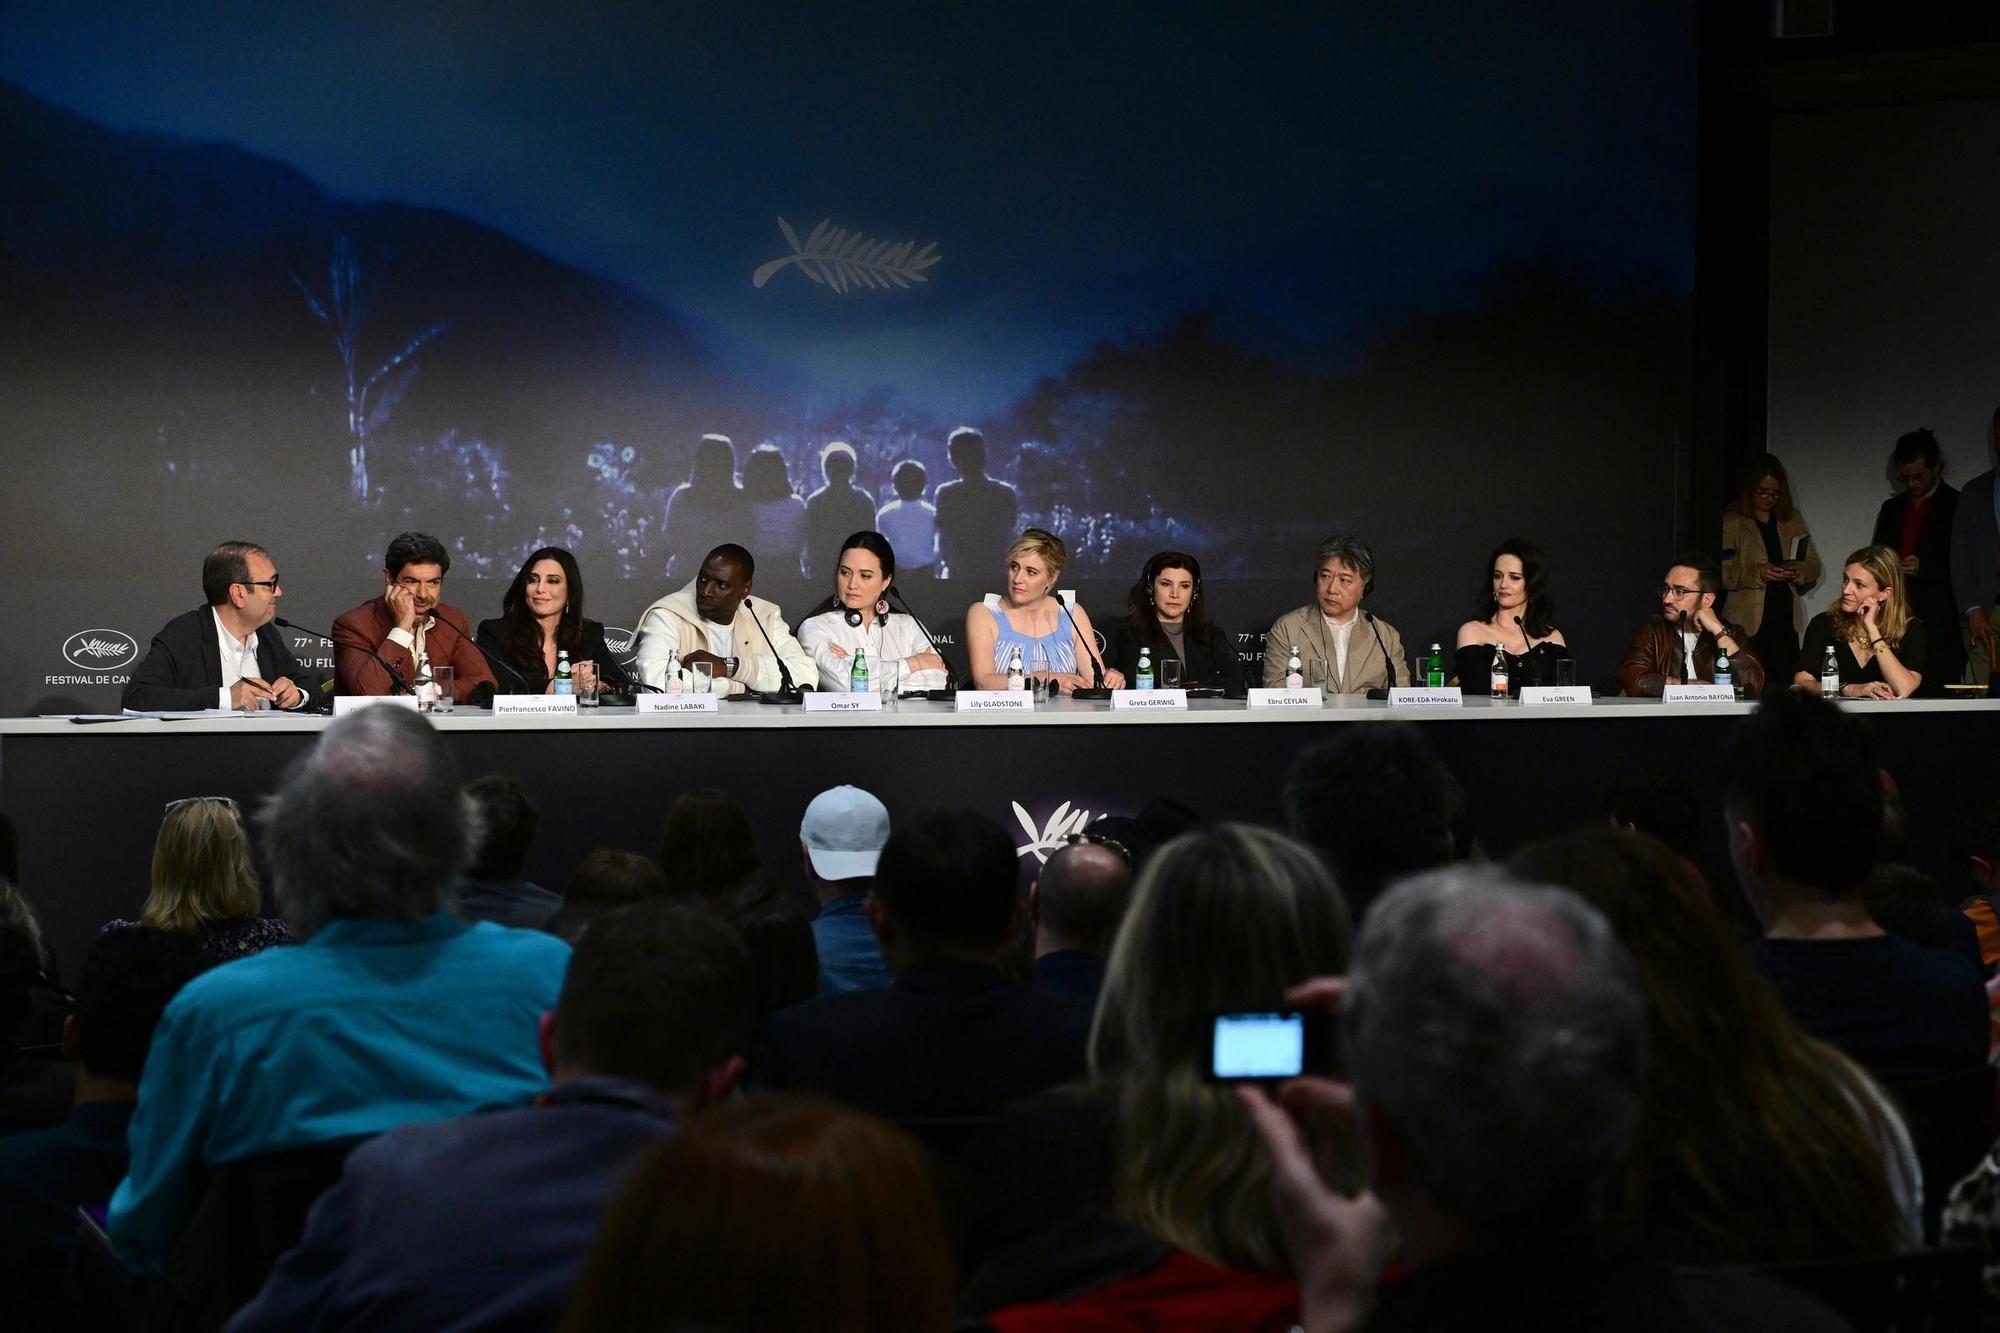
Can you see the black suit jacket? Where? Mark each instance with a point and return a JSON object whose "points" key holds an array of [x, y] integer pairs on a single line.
{"points": [[592, 649], [1211, 661], [183, 668], [949, 1039], [1932, 581]]}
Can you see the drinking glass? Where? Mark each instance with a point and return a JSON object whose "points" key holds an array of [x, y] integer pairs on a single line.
{"points": [[1040, 672], [447, 681], [586, 695], [1170, 673], [888, 677], [704, 678], [1566, 673]]}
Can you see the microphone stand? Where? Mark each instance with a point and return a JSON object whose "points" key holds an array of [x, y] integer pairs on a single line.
{"points": [[1098, 689], [396, 681], [787, 692], [503, 664], [948, 693]]}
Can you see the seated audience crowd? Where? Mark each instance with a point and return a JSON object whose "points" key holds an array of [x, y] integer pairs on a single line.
{"points": [[922, 1079]]}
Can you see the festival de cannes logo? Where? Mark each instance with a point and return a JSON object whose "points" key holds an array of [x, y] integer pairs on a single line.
{"points": [[1062, 823], [621, 642], [100, 650], [838, 258]]}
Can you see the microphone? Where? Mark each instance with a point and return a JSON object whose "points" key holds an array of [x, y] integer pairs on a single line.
{"points": [[946, 694], [1388, 666], [1098, 689], [787, 692], [395, 677], [1528, 654], [500, 662]]}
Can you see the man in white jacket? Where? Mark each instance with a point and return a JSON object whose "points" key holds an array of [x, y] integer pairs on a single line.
{"points": [[714, 620]]}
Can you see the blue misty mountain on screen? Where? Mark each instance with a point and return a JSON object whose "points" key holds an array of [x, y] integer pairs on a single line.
{"points": [[181, 309]]}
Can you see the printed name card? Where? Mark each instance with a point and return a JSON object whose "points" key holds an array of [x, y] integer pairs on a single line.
{"points": [[534, 705], [1698, 693], [676, 703], [1542, 696], [1424, 696], [994, 701], [1307, 697], [827, 701], [344, 704], [1148, 699]]}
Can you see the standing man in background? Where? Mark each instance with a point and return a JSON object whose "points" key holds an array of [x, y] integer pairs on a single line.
{"points": [[1975, 563], [1917, 524]]}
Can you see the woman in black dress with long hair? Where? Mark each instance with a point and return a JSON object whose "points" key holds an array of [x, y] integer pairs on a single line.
{"points": [[541, 615]]}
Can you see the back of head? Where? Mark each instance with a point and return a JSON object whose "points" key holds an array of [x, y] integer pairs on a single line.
{"points": [[1804, 773], [777, 930], [124, 985], [948, 880], [1497, 1029], [604, 880], [1662, 804], [508, 821], [369, 823], [774, 1213], [1082, 893], [659, 993], [1376, 803], [1223, 920], [1752, 1143], [708, 847], [201, 867], [1904, 901]]}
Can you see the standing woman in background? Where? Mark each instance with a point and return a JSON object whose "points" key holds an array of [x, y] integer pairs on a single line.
{"points": [[1768, 559], [1879, 645], [1514, 613], [1169, 618]]}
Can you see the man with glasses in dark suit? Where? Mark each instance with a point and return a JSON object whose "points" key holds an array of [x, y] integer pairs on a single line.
{"points": [[226, 654]]}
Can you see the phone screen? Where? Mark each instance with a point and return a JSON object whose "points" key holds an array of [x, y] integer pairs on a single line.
{"points": [[1251, 1046]]}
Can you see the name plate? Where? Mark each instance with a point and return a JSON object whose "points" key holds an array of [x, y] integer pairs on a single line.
{"points": [[677, 703], [1306, 697], [1699, 693], [1175, 698], [994, 701], [344, 704], [1542, 696], [1423, 696], [534, 705], [828, 701]]}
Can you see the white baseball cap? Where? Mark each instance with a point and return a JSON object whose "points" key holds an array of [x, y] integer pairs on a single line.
{"points": [[844, 832]]}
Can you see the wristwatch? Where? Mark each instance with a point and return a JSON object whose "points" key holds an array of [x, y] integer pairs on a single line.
{"points": [[729, 666]]}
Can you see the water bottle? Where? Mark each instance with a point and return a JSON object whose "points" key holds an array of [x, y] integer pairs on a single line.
{"points": [[1724, 674], [1295, 672], [563, 685], [857, 675], [1434, 668], [1829, 674], [1017, 679], [1144, 680], [1499, 682]]}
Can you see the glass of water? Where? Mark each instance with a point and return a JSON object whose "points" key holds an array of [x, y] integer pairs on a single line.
{"points": [[446, 679], [1040, 671], [704, 678], [1170, 673], [888, 679]]}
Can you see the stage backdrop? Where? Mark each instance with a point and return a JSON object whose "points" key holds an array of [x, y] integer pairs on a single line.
{"points": [[1219, 278]]}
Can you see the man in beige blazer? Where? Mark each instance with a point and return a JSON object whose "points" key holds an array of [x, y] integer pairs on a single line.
{"points": [[1338, 642]]}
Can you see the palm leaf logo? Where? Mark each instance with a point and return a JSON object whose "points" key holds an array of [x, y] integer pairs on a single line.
{"points": [[837, 258]]}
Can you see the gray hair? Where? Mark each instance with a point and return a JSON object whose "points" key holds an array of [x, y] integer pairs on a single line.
{"points": [[369, 823], [1499, 1029], [1349, 551]]}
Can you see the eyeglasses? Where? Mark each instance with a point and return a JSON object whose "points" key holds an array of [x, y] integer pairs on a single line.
{"points": [[194, 800], [1675, 590], [1100, 840], [271, 583], [1767, 492]]}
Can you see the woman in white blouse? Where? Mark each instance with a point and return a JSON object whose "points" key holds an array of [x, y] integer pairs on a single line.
{"points": [[857, 619]]}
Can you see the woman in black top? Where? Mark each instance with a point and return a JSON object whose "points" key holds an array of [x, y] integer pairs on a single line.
{"points": [[1877, 642], [541, 614], [1514, 613], [1169, 618]]}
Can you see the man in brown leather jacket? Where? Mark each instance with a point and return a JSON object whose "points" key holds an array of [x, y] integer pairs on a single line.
{"points": [[1686, 634]]}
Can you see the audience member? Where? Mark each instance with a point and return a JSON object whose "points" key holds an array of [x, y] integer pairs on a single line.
{"points": [[834, 510], [392, 1011], [1664, 805], [1804, 807], [708, 848], [1495, 1038], [1375, 803], [125, 981], [1916, 523], [204, 886], [953, 1037], [777, 931], [1755, 1143], [604, 881], [34, 1092], [1075, 905], [840, 840], [1979, 843], [484, 1221], [772, 1214], [1904, 901], [491, 889]]}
